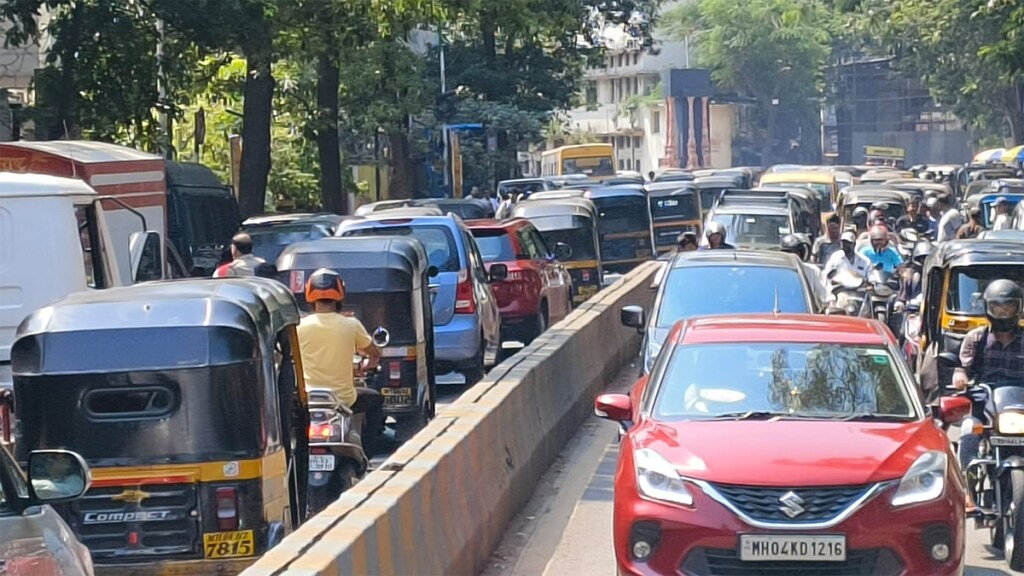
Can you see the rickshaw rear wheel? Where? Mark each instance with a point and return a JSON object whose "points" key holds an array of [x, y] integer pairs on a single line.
{"points": [[407, 426]]}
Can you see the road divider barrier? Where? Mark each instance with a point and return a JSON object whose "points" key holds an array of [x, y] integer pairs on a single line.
{"points": [[441, 503]]}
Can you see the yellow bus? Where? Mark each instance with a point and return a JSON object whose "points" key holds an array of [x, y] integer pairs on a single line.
{"points": [[595, 161]]}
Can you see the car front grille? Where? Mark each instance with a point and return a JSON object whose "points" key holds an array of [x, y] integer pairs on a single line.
{"points": [[113, 525], [811, 504], [720, 562]]}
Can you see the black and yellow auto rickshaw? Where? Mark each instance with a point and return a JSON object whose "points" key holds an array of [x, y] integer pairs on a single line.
{"points": [[675, 208], [186, 399], [955, 276], [867, 195], [809, 207], [623, 226], [572, 221], [710, 188], [387, 287]]}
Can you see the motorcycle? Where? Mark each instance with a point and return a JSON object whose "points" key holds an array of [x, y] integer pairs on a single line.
{"points": [[910, 331], [995, 475], [850, 292], [336, 457]]}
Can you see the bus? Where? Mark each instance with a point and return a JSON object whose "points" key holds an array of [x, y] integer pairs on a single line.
{"points": [[595, 161]]}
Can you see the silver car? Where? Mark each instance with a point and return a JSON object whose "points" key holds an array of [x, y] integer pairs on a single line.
{"points": [[33, 537]]}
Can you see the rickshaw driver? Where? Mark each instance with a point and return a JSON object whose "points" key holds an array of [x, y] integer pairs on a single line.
{"points": [[328, 340]]}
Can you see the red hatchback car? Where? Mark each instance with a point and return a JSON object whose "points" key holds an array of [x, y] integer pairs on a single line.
{"points": [[538, 289], [784, 444]]}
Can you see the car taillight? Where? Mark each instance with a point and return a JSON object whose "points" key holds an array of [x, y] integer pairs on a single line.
{"points": [[227, 508], [465, 302]]}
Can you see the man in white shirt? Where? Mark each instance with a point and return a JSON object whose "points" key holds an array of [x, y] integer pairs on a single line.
{"points": [[244, 262], [950, 222], [1002, 219], [847, 258]]}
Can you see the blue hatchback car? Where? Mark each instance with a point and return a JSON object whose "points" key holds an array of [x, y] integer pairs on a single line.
{"points": [[467, 325]]}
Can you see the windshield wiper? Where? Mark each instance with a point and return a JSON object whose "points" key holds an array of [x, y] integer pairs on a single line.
{"points": [[870, 416], [748, 415]]}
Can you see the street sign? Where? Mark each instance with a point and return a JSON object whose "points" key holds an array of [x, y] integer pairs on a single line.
{"points": [[885, 152]]}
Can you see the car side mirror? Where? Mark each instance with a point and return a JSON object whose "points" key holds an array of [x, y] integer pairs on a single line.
{"points": [[563, 251], [497, 272], [146, 256], [615, 407], [633, 317], [432, 271], [57, 475], [953, 409]]}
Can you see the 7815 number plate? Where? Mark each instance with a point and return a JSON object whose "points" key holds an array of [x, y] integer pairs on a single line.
{"points": [[228, 544]]}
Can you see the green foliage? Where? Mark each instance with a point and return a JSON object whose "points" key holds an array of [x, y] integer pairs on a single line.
{"points": [[772, 50]]}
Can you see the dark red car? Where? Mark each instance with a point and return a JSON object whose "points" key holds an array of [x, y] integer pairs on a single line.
{"points": [[538, 289], [784, 444]]}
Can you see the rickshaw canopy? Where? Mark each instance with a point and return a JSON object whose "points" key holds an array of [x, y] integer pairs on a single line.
{"points": [[366, 263]]}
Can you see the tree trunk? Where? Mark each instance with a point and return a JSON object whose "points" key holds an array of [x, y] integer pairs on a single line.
{"points": [[66, 124], [257, 111], [1013, 108], [331, 193], [402, 180]]}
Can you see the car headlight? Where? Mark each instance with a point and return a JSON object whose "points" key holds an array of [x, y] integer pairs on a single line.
{"points": [[653, 348], [1010, 423], [924, 481], [657, 479]]}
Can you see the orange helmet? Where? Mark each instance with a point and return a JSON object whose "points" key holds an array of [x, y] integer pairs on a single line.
{"points": [[326, 285]]}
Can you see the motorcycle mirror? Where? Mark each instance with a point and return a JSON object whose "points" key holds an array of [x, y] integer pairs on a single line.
{"points": [[381, 337]]}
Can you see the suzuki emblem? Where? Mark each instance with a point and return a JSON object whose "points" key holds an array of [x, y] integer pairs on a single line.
{"points": [[792, 504]]}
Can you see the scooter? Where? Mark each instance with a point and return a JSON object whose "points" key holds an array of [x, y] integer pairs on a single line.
{"points": [[336, 457]]}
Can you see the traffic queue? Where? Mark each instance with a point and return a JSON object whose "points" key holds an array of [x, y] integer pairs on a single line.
{"points": [[189, 425]]}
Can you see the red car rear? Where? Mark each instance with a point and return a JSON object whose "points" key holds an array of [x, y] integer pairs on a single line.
{"points": [[786, 444], [538, 290]]}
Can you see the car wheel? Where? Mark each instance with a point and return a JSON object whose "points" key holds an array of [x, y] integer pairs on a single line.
{"points": [[475, 373], [539, 324]]}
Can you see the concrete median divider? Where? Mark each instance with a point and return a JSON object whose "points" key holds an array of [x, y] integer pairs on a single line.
{"points": [[441, 503]]}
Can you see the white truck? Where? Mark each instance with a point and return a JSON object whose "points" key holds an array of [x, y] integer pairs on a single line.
{"points": [[55, 239]]}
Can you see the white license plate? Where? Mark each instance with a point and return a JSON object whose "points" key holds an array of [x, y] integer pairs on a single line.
{"points": [[1007, 440], [765, 548], [321, 462]]}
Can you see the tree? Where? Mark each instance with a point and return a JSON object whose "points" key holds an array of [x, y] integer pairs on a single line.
{"points": [[771, 50], [961, 49]]}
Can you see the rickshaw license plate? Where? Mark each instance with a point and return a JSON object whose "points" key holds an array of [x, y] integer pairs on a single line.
{"points": [[228, 544], [587, 290], [767, 548], [321, 462], [397, 395], [1007, 440]]}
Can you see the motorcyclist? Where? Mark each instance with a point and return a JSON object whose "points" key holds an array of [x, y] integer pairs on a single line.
{"points": [[973, 226], [687, 241], [913, 275], [847, 258], [716, 234], [799, 246], [860, 219], [881, 250], [991, 354], [795, 245], [913, 218], [328, 340]]}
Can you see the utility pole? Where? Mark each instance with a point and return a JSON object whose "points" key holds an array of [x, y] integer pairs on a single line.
{"points": [[166, 122]]}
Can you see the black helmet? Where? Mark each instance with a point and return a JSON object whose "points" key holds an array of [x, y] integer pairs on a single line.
{"points": [[860, 213], [1004, 300]]}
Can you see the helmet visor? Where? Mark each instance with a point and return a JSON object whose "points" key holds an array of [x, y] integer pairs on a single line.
{"points": [[1003, 309]]}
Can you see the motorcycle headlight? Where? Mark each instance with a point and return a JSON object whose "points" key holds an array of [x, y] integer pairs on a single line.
{"points": [[1010, 423], [658, 480], [924, 481]]}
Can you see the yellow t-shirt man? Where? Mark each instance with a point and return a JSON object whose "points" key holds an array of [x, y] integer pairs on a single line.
{"points": [[327, 342]]}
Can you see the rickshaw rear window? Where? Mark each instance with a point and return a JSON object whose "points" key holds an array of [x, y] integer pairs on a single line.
{"points": [[581, 240], [966, 285], [437, 240], [678, 207], [622, 214], [131, 349], [131, 402]]}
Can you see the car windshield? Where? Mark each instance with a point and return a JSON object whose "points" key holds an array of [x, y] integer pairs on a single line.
{"points": [[702, 290], [764, 230], [268, 243], [437, 240], [495, 245], [967, 285], [802, 380], [594, 166], [622, 214], [675, 207]]}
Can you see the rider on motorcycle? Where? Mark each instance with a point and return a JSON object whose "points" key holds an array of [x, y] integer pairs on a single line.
{"points": [[328, 340], [912, 276], [800, 246], [881, 251], [993, 353], [716, 234], [847, 258]]}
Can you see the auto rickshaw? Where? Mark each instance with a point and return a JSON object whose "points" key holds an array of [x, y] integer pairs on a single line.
{"points": [[986, 202], [187, 401], [954, 278], [559, 194], [866, 195], [710, 187], [675, 208], [572, 221], [623, 226], [387, 287]]}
